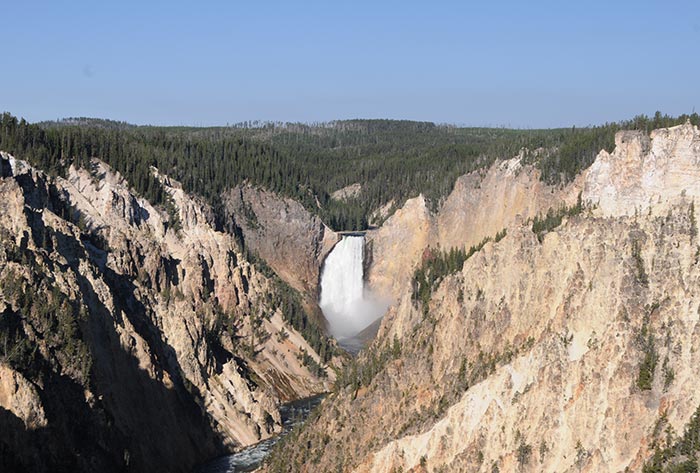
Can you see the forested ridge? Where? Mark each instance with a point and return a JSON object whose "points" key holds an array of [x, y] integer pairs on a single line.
{"points": [[392, 160]]}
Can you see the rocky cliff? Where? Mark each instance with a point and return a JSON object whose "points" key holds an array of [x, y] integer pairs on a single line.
{"points": [[574, 349], [282, 232], [132, 337], [645, 171], [481, 204]]}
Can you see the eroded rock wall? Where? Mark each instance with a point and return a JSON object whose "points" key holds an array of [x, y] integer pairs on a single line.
{"points": [[287, 236], [130, 340], [576, 351]]}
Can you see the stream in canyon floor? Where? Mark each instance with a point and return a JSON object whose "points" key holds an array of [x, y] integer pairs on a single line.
{"points": [[352, 313], [250, 458]]}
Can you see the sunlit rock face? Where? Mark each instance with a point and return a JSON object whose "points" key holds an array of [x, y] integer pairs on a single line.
{"points": [[577, 351], [645, 171]]}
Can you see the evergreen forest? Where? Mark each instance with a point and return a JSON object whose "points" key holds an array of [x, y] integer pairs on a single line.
{"points": [[393, 160]]}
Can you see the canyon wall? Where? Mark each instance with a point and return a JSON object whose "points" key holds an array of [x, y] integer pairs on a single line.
{"points": [[572, 350], [134, 338], [282, 232], [481, 204]]}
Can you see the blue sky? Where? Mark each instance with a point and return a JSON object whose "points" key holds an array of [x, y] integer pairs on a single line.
{"points": [[521, 64]]}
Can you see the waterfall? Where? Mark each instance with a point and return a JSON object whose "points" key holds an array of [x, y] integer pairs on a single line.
{"points": [[344, 302]]}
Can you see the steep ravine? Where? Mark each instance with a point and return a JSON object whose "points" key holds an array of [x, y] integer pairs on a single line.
{"points": [[574, 351], [135, 337], [131, 337]]}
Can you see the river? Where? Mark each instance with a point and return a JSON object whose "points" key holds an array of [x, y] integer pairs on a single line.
{"points": [[250, 458]]}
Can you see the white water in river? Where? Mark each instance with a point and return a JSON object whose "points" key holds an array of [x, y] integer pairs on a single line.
{"points": [[347, 306], [250, 458]]}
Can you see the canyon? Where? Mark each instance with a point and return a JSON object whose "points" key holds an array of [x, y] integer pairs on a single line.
{"points": [[569, 350], [139, 339], [572, 348]]}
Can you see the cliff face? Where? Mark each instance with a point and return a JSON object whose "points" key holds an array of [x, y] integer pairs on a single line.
{"points": [[536, 348], [132, 337], [290, 239], [645, 171], [577, 351], [396, 247], [481, 204]]}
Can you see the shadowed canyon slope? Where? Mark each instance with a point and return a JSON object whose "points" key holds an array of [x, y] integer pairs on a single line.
{"points": [[137, 337], [574, 349]]}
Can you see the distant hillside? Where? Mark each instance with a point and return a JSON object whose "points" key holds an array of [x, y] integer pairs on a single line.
{"points": [[86, 122], [393, 160]]}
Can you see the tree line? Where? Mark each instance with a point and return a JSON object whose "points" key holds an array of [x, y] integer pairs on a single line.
{"points": [[393, 160]]}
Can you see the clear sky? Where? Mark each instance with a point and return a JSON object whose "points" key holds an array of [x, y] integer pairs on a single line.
{"points": [[517, 63]]}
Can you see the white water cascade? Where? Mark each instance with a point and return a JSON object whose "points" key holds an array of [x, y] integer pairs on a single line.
{"points": [[344, 301]]}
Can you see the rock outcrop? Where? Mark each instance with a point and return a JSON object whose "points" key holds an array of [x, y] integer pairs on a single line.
{"points": [[396, 247], [481, 204], [19, 396], [347, 192], [645, 171], [133, 338], [282, 232]]}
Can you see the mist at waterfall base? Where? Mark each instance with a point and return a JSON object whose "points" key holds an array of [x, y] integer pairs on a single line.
{"points": [[347, 305]]}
